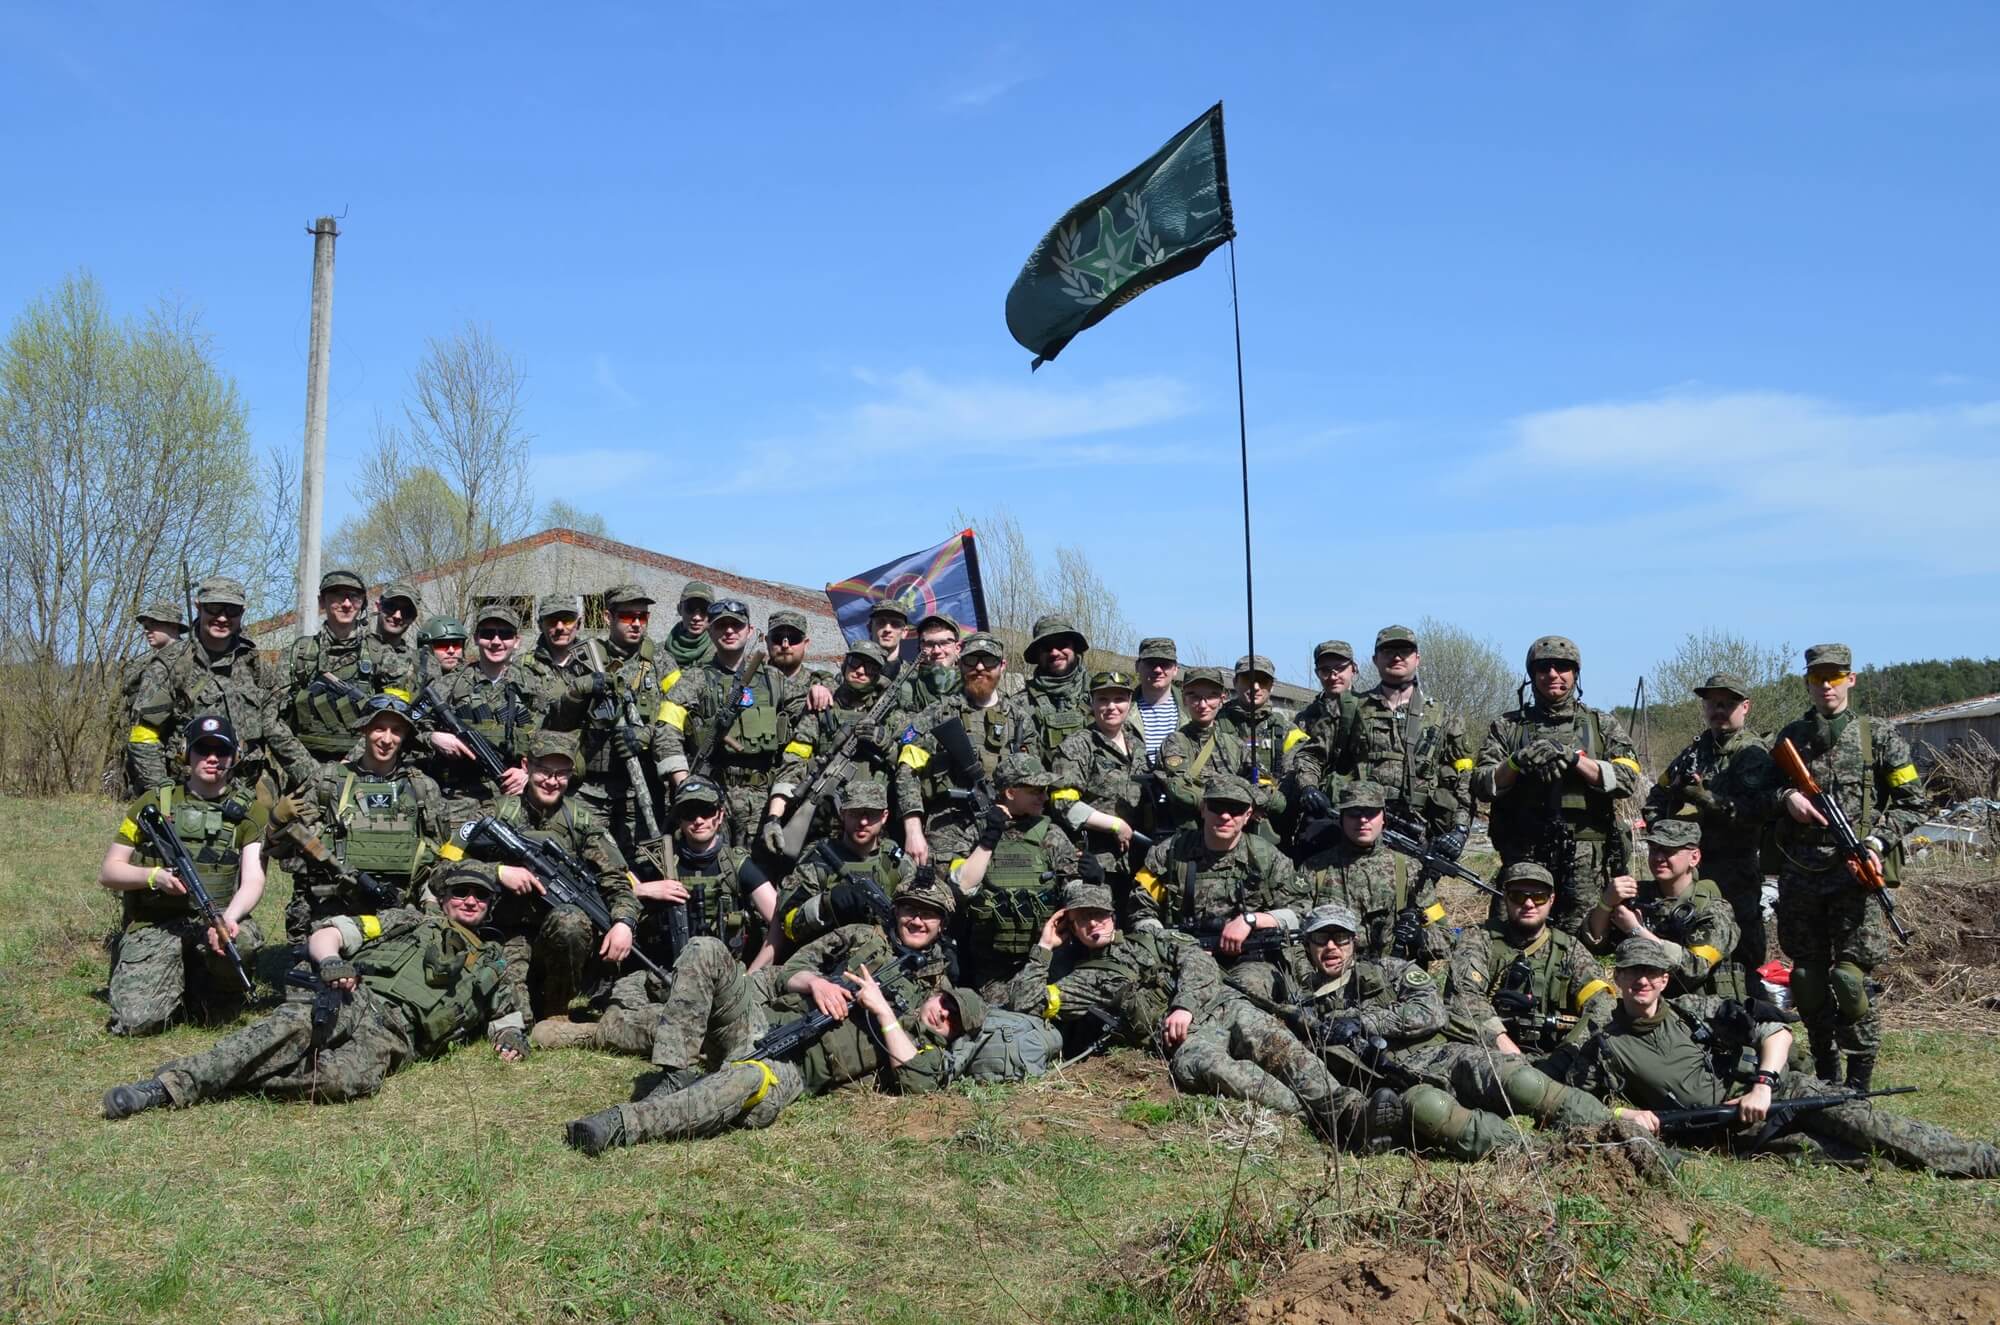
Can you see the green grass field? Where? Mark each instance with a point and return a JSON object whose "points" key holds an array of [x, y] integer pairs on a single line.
{"points": [[1098, 1195]]}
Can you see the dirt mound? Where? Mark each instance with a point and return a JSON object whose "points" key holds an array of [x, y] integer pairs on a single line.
{"points": [[1351, 1287], [1825, 1285], [1953, 911]]}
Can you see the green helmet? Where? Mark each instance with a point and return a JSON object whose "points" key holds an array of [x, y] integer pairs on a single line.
{"points": [[441, 630], [1557, 648]]}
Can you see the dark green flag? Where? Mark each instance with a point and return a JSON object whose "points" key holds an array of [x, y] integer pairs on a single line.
{"points": [[1150, 226]]}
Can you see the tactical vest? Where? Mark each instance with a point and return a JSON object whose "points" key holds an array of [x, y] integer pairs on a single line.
{"points": [[494, 711], [380, 832], [439, 973], [1520, 819], [1541, 970], [324, 721], [208, 831], [1402, 748], [1190, 899], [994, 732], [756, 728], [1674, 921], [713, 906], [1366, 986], [1013, 901]]}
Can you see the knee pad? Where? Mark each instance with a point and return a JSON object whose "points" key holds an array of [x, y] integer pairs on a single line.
{"points": [[1434, 1115], [1808, 989], [1532, 1093], [1850, 991]]}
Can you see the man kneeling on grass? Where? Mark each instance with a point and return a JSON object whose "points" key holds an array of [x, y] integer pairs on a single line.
{"points": [[392, 987], [1699, 1051]]}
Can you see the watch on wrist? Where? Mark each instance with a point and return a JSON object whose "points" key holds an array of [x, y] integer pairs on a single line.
{"points": [[1765, 1077]]}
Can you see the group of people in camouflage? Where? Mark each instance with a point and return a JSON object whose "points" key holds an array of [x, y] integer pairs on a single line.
{"points": [[909, 874]]}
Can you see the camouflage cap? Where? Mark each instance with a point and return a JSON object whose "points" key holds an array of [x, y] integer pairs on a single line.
{"points": [[498, 612], [971, 1009], [864, 794], [870, 650], [221, 591], [162, 611], [694, 591], [1642, 951], [211, 727], [1395, 635], [1226, 789], [980, 642], [728, 609], [1195, 676], [1047, 630], [1113, 680], [621, 595], [441, 630], [932, 620], [697, 791], [1555, 648], [1020, 770], [1362, 796], [379, 705], [464, 874], [1335, 648], [1673, 834], [1332, 915], [928, 890], [1157, 646], [894, 607], [1089, 896], [399, 590], [786, 618], [546, 744], [1830, 655], [1727, 682], [1526, 872], [342, 578], [558, 604], [1256, 664]]}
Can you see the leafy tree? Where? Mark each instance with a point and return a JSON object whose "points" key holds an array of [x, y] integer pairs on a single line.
{"points": [[559, 514]]}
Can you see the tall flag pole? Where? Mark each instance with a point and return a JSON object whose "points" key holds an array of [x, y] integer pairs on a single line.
{"points": [[1243, 450]]}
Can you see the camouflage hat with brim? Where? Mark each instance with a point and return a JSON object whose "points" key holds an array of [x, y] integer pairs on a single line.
{"points": [[1083, 896], [785, 618], [558, 604], [1256, 664], [971, 1009], [220, 591], [980, 643], [399, 591], [1333, 915], [442, 630], [546, 744], [379, 706], [498, 612], [162, 612], [1157, 646], [939, 621], [342, 578], [1830, 655], [890, 607], [694, 591], [465, 874], [627, 595], [1204, 676], [1361, 796], [1395, 635], [869, 650], [1673, 834], [1528, 876], [728, 609], [1643, 952], [864, 794], [1019, 770], [928, 890], [1113, 680], [697, 791], [1050, 629], [1226, 789], [1726, 683], [211, 727], [1333, 648]]}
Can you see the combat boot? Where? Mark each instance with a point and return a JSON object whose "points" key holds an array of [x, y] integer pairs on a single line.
{"points": [[1385, 1123], [598, 1132], [1860, 1071], [1826, 1065], [124, 1101]]}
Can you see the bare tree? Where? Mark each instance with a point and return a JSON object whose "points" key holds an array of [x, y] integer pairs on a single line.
{"points": [[1467, 675], [1017, 591], [1777, 694]]}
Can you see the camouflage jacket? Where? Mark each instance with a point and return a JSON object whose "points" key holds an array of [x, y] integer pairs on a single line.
{"points": [[1255, 746], [579, 831], [1186, 885], [1106, 778], [1700, 930], [738, 731], [1523, 815], [1567, 992], [874, 749], [721, 900], [324, 722], [390, 824], [506, 709], [1422, 760], [1392, 998], [444, 979], [805, 912], [183, 681], [920, 687], [565, 687], [850, 1051], [1376, 882], [215, 832], [924, 783], [635, 675], [1137, 980], [1731, 799], [1865, 765]]}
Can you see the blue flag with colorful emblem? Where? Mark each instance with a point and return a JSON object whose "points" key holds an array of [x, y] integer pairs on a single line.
{"points": [[944, 579]]}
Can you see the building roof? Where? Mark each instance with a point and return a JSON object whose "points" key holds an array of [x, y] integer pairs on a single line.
{"points": [[1983, 707]]}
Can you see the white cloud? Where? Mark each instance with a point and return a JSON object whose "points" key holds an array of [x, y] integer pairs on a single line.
{"points": [[997, 74], [607, 381]]}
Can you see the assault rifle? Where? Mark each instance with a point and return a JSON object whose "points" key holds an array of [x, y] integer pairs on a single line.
{"points": [[326, 1000], [968, 775], [806, 1031], [326, 864], [566, 879], [326, 683], [1516, 1003], [434, 707], [163, 842], [834, 772], [1782, 1115], [1865, 871], [747, 667], [1408, 838], [616, 707], [1257, 943], [1109, 1027]]}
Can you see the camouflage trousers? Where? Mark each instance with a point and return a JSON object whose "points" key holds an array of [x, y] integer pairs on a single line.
{"points": [[1905, 1141], [1220, 1057], [370, 1039], [157, 970], [1833, 932], [549, 967], [1504, 1084], [312, 904]]}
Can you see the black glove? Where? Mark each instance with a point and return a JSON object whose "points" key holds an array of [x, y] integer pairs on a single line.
{"points": [[623, 741], [849, 903], [600, 684], [1089, 868], [1340, 1031], [1450, 845], [1513, 1004], [1409, 931], [992, 826], [1313, 804]]}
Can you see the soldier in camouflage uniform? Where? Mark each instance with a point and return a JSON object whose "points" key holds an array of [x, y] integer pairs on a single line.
{"points": [[1330, 723], [1561, 776], [1696, 1050], [1157, 990], [717, 1013], [1398, 916], [396, 609], [828, 888], [936, 804], [163, 958], [1686, 915], [1726, 779], [1219, 882], [442, 639], [1059, 690], [889, 626], [374, 813], [163, 624], [350, 653], [549, 949], [785, 636], [619, 721], [1187, 757], [1827, 923], [1106, 762], [218, 671], [559, 666], [497, 698], [688, 644], [1011, 878], [1403, 741], [873, 753], [408, 985], [935, 676], [734, 730]]}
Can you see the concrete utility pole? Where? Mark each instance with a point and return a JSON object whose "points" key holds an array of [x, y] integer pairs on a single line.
{"points": [[312, 474]]}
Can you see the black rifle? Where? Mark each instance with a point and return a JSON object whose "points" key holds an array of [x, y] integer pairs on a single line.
{"points": [[567, 880], [839, 761], [780, 1041], [1109, 1027], [1258, 943], [166, 845], [1670, 920], [968, 776], [747, 668], [327, 1002], [489, 760], [1516, 1003], [326, 683], [1403, 836], [1782, 1115], [617, 708]]}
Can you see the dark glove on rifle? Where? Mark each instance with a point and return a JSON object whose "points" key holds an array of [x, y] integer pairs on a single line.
{"points": [[995, 823], [1450, 845], [1511, 1003], [1313, 804], [1089, 868], [1341, 1031], [849, 903], [1409, 931], [622, 740]]}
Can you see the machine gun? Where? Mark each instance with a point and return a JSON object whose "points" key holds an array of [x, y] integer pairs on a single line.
{"points": [[806, 1031], [165, 844], [566, 879], [1865, 871]]}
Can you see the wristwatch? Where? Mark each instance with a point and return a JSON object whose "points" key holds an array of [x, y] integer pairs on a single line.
{"points": [[1765, 1077]]}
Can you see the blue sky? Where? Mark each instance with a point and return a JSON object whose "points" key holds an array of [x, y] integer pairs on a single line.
{"points": [[1615, 320]]}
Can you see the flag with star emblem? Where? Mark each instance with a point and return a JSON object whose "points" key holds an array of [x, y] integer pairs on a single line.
{"points": [[1155, 223]]}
